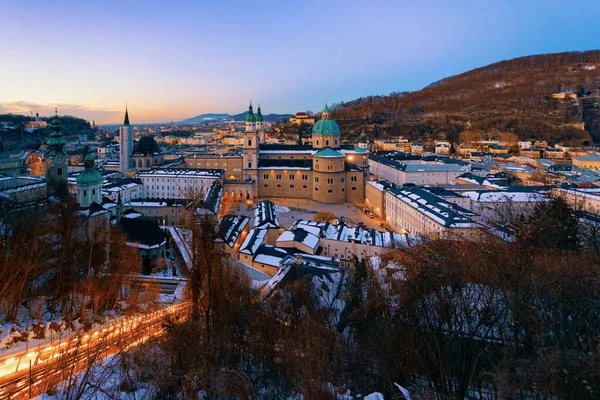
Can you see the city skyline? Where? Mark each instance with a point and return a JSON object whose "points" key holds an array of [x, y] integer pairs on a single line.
{"points": [[174, 62]]}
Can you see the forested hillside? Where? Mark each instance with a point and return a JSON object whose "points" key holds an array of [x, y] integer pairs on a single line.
{"points": [[508, 96], [13, 134]]}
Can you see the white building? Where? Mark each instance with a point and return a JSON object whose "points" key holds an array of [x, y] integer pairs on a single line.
{"points": [[178, 183], [417, 172], [419, 212]]}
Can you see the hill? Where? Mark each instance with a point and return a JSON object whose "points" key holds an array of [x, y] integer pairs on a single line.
{"points": [[522, 95], [14, 135], [207, 118]]}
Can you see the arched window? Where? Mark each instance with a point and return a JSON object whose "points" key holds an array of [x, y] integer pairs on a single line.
{"points": [[266, 185], [85, 193], [59, 172], [353, 188], [147, 163], [304, 187], [317, 142], [93, 192], [140, 164], [327, 143], [249, 142], [330, 191], [156, 161], [292, 186], [278, 185], [343, 190], [316, 189]]}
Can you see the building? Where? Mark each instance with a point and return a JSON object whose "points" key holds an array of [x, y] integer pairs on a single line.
{"points": [[147, 237], [591, 161], [417, 211], [580, 199], [126, 189], [56, 159], [500, 205], [232, 231], [178, 183], [13, 162], [302, 118], [416, 171], [146, 154], [89, 184], [125, 145], [22, 189], [166, 212]]}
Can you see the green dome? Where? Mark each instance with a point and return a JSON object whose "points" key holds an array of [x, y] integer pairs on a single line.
{"points": [[328, 152], [56, 142], [90, 176], [326, 127]]}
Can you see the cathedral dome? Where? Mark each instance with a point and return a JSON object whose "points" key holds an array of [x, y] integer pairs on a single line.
{"points": [[326, 127]]}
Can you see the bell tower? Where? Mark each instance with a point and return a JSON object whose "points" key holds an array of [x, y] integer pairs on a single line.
{"points": [[56, 159], [250, 147]]}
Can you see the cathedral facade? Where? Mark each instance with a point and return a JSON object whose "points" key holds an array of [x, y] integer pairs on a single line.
{"points": [[327, 171]]}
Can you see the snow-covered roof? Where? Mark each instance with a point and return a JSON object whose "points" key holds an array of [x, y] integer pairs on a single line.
{"points": [[254, 239], [265, 215], [269, 255], [182, 173], [435, 207], [495, 196], [231, 227], [299, 236]]}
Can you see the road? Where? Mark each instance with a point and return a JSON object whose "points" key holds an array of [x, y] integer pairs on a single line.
{"points": [[32, 373]]}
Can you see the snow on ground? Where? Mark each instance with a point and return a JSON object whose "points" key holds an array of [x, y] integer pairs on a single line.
{"points": [[282, 209]]}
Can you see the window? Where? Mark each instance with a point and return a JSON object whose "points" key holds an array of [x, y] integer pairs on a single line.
{"points": [[93, 191], [343, 190], [330, 168], [304, 187], [330, 191], [317, 167], [266, 176], [304, 177], [317, 142], [342, 180], [316, 189], [278, 176], [353, 179], [249, 142], [327, 143], [317, 179], [330, 181], [85, 192], [266, 185], [292, 177], [353, 188], [249, 165], [292, 186], [278, 185], [59, 172]]}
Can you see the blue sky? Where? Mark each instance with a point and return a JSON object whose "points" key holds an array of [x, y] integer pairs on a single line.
{"points": [[175, 59]]}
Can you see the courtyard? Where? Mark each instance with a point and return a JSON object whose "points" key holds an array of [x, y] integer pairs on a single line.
{"points": [[306, 209]]}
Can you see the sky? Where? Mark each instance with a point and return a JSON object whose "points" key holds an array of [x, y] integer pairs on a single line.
{"points": [[171, 60]]}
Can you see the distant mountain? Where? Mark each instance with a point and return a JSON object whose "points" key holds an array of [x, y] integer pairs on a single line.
{"points": [[554, 97], [204, 118]]}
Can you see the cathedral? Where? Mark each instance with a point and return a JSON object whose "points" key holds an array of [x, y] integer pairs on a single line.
{"points": [[326, 171]]}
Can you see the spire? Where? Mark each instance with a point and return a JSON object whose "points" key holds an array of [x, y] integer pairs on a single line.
{"points": [[325, 112], [126, 121], [250, 117], [259, 117], [56, 142]]}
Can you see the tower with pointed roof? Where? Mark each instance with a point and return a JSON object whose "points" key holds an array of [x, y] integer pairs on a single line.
{"points": [[56, 156], [125, 144], [250, 148], [326, 132], [250, 120], [89, 183], [260, 125]]}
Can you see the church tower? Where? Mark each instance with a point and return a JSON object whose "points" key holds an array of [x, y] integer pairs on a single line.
{"points": [[56, 158], [250, 147], [89, 183], [125, 144], [260, 126]]}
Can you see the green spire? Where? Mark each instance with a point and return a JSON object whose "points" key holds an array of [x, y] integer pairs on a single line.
{"points": [[56, 142], [259, 117], [126, 121], [250, 117], [326, 109]]}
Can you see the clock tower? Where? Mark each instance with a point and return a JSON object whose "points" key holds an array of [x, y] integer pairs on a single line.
{"points": [[56, 160]]}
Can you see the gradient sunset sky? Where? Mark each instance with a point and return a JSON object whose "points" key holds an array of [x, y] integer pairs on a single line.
{"points": [[170, 60]]}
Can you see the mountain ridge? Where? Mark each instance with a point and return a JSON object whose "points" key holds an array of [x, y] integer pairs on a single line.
{"points": [[214, 117], [521, 95]]}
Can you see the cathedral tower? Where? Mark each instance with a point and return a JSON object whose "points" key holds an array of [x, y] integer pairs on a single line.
{"points": [[125, 144], [260, 126]]}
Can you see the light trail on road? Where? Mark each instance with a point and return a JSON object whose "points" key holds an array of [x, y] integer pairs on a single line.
{"points": [[34, 371]]}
